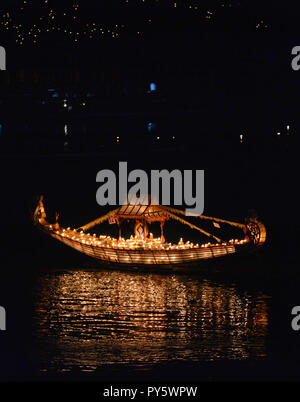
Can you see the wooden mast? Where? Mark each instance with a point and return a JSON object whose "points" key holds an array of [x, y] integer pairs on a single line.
{"points": [[162, 237], [119, 222]]}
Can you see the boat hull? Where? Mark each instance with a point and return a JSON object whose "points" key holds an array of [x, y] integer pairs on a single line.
{"points": [[163, 257], [146, 256]]}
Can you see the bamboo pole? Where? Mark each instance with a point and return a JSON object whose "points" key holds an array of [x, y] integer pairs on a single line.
{"points": [[178, 211], [98, 220], [193, 226]]}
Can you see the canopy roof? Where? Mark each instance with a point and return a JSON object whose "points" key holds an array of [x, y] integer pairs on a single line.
{"points": [[153, 213], [148, 212]]}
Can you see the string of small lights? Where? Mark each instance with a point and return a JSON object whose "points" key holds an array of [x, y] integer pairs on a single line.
{"points": [[46, 21], [30, 22]]}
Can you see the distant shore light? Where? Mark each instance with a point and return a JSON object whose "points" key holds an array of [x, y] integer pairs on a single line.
{"points": [[152, 87]]}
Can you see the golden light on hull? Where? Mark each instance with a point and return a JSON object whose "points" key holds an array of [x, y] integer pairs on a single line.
{"points": [[147, 250]]}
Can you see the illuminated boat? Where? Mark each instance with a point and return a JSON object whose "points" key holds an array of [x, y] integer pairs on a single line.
{"points": [[143, 249]]}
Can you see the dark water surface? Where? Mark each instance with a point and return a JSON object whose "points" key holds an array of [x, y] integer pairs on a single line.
{"points": [[87, 319]]}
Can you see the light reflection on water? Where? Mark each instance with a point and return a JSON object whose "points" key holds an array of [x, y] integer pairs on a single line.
{"points": [[89, 319]]}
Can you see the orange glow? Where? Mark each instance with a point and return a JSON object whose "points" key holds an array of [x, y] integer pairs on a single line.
{"points": [[134, 242]]}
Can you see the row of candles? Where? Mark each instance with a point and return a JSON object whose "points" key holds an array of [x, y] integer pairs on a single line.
{"points": [[133, 242]]}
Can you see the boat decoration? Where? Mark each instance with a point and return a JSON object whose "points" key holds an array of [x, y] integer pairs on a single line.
{"points": [[142, 248]]}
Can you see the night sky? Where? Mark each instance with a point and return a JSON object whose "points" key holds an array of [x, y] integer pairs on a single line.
{"points": [[230, 56], [222, 69], [73, 22]]}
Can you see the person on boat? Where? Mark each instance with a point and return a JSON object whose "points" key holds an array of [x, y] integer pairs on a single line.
{"points": [[56, 225]]}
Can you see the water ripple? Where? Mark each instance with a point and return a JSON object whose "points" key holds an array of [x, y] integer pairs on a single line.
{"points": [[89, 319]]}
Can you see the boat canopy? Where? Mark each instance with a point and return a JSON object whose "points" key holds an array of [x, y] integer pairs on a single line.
{"points": [[151, 213], [148, 212]]}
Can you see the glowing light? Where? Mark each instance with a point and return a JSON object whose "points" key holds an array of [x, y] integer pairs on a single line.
{"points": [[133, 243]]}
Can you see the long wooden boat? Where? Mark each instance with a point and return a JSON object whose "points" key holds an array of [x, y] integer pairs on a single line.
{"points": [[144, 250]]}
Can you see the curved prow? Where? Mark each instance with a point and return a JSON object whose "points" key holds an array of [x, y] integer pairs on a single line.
{"points": [[257, 232], [39, 216], [39, 213]]}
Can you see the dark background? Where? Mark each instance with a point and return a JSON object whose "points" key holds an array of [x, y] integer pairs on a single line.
{"points": [[216, 79]]}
